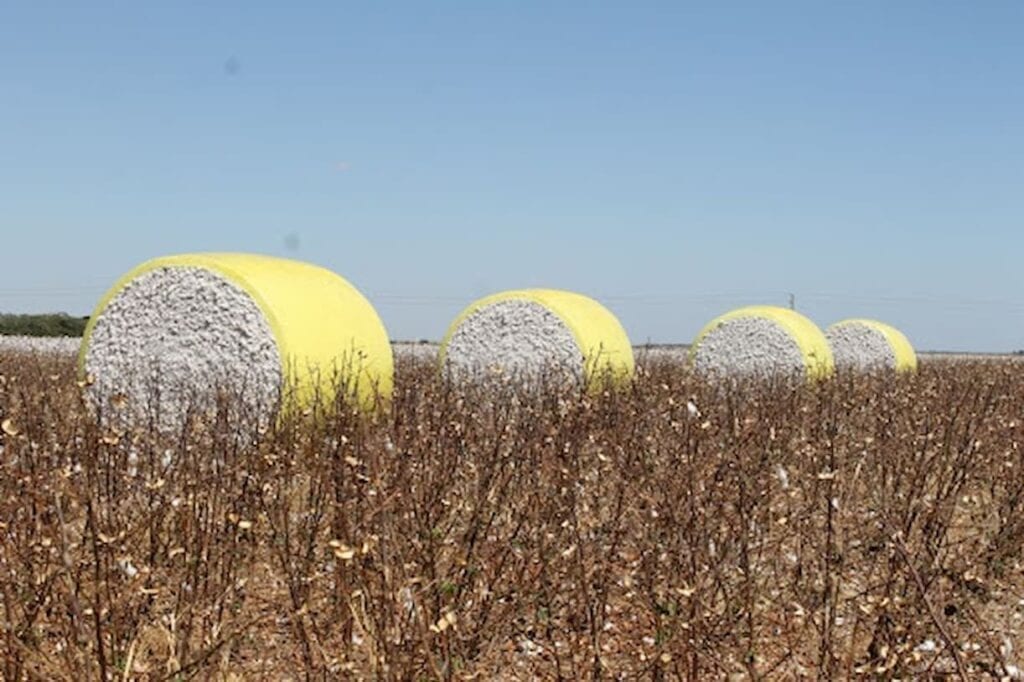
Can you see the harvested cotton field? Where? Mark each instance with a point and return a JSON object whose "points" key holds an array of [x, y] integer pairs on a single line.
{"points": [[420, 350], [176, 331], [761, 341], [662, 532], [529, 334], [866, 345], [55, 345]]}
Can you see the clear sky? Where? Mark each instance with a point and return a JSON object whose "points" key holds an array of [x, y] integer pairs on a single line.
{"points": [[673, 160]]}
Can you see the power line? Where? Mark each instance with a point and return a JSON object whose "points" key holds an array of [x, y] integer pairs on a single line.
{"points": [[640, 298]]}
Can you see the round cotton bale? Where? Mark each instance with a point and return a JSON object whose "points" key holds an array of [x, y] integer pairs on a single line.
{"points": [[538, 334], [868, 345], [762, 341], [268, 331]]}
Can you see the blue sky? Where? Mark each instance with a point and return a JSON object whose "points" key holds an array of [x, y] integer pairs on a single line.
{"points": [[673, 160]]}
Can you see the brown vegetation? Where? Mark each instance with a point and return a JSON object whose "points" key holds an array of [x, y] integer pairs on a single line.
{"points": [[862, 526]]}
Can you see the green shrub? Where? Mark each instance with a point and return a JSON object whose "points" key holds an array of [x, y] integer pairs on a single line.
{"points": [[54, 324]]}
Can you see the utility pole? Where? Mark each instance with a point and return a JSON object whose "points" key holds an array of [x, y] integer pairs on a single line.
{"points": [[792, 301]]}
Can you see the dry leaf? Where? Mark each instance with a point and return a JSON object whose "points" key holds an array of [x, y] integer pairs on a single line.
{"points": [[447, 620], [9, 428]]}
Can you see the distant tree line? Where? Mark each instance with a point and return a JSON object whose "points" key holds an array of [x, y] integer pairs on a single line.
{"points": [[53, 324]]}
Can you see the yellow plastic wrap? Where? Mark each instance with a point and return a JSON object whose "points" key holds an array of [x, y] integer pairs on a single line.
{"points": [[320, 322], [906, 358], [817, 355], [606, 349]]}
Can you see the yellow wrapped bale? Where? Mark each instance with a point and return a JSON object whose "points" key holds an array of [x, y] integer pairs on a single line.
{"points": [[867, 345], [538, 333], [762, 341], [175, 329]]}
